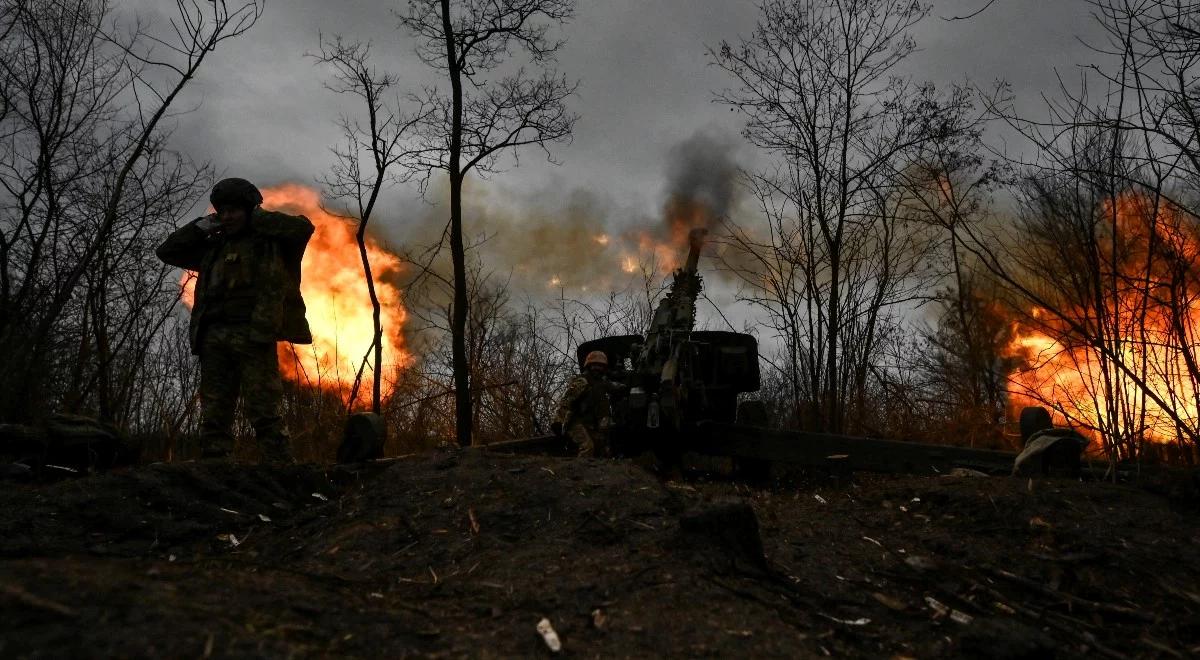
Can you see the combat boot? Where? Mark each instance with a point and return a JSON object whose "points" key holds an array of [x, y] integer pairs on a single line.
{"points": [[216, 448], [276, 450]]}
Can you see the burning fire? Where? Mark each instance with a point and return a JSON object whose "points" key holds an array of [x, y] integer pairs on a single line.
{"points": [[338, 305], [663, 250], [1136, 377]]}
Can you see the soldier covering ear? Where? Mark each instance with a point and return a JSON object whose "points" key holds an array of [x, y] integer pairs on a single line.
{"points": [[247, 298]]}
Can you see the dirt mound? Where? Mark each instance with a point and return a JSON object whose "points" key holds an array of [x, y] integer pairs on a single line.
{"points": [[463, 553], [155, 511]]}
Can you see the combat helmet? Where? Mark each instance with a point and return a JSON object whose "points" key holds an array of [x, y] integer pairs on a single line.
{"points": [[595, 357], [235, 192]]}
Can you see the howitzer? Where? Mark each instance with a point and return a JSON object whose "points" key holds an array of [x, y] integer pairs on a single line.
{"points": [[674, 376]]}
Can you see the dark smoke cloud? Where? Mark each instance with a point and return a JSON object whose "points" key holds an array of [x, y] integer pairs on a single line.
{"points": [[702, 174]]}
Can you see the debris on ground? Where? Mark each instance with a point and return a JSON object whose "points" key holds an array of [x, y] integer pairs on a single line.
{"points": [[467, 553]]}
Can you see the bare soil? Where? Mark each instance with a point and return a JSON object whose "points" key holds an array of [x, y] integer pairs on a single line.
{"points": [[462, 553]]}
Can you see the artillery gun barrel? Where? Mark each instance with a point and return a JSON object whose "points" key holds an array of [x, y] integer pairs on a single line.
{"points": [[676, 312], [696, 242]]}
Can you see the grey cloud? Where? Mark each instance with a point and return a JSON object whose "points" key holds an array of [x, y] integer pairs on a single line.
{"points": [[646, 84]]}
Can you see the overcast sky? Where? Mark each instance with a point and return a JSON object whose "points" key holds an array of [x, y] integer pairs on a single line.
{"points": [[645, 84]]}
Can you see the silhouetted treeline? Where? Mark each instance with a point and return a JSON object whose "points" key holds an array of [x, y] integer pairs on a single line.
{"points": [[903, 279]]}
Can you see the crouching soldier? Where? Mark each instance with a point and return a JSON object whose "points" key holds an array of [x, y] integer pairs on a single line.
{"points": [[247, 298], [584, 413]]}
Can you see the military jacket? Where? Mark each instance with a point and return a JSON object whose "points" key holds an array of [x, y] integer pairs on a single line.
{"points": [[585, 400], [249, 279]]}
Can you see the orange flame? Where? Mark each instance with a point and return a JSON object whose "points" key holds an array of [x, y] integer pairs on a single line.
{"points": [[1151, 325], [665, 250], [337, 301]]}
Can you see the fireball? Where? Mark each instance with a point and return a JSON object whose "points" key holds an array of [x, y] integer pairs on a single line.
{"points": [[1150, 322], [338, 305]]}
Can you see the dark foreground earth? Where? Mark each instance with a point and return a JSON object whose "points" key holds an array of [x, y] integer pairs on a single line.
{"points": [[463, 553]]}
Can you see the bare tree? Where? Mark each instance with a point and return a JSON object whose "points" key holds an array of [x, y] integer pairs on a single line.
{"points": [[489, 109], [520, 352], [86, 184], [815, 83], [512, 366], [963, 362], [380, 142]]}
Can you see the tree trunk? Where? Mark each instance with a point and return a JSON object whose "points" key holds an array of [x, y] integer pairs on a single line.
{"points": [[458, 323], [832, 423], [458, 328], [377, 346]]}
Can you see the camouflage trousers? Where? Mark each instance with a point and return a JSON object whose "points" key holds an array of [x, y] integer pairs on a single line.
{"points": [[231, 364], [590, 441]]}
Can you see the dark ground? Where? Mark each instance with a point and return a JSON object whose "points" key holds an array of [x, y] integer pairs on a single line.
{"points": [[462, 553]]}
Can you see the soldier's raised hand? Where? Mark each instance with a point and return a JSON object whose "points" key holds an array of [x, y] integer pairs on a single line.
{"points": [[208, 224]]}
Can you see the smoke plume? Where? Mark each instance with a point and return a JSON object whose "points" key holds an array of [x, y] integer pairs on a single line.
{"points": [[702, 179]]}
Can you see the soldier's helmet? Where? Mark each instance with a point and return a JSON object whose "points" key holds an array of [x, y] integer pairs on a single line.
{"points": [[235, 192], [595, 357]]}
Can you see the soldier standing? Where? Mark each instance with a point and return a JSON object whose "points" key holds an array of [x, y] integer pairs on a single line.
{"points": [[247, 298], [584, 411]]}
